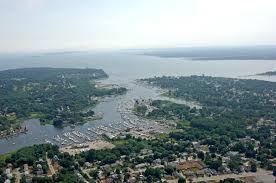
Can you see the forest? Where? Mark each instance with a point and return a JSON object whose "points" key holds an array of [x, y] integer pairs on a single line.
{"points": [[58, 96]]}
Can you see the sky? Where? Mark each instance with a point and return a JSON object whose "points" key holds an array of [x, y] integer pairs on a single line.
{"points": [[36, 25]]}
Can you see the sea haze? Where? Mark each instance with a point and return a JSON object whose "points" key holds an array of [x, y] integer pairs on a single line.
{"points": [[215, 53]]}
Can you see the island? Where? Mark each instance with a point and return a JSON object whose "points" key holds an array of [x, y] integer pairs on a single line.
{"points": [[58, 96]]}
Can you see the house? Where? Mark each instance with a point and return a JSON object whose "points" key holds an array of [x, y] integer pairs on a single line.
{"points": [[26, 171], [146, 152], [55, 158], [196, 145], [8, 173], [158, 166], [141, 165], [157, 161], [123, 157], [200, 173], [109, 135], [189, 174], [232, 153], [87, 165], [40, 160], [39, 170]]}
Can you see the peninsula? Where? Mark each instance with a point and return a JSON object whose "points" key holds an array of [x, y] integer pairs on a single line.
{"points": [[58, 96]]}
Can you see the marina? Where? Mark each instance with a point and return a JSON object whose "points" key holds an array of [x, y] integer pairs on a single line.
{"points": [[129, 124]]}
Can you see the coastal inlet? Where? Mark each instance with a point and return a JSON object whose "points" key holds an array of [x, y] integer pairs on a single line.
{"points": [[117, 120]]}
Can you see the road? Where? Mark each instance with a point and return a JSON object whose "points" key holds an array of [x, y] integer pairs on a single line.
{"points": [[49, 162], [17, 175]]}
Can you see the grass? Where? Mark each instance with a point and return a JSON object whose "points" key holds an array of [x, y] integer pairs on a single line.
{"points": [[205, 148], [183, 124], [36, 115], [161, 136], [119, 142]]}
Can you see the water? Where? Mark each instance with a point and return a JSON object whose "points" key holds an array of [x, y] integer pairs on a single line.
{"points": [[123, 69]]}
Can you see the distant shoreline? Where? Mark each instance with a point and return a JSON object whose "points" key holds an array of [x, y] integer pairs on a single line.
{"points": [[230, 58], [269, 73], [215, 53]]}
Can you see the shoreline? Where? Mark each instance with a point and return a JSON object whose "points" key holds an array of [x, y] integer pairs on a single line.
{"points": [[163, 93], [12, 132]]}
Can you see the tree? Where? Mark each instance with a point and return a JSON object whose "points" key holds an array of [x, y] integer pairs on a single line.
{"points": [[181, 180], [253, 167], [230, 180], [57, 122], [169, 170], [273, 152], [23, 180], [274, 171], [234, 163], [239, 147], [94, 173], [153, 173], [42, 180], [201, 155], [91, 156], [68, 177], [215, 164]]}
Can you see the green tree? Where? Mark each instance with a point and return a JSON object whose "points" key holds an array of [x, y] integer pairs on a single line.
{"points": [[94, 173], [201, 155], [274, 171], [253, 167], [181, 180], [169, 170]]}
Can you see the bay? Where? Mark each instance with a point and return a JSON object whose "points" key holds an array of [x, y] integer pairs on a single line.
{"points": [[123, 69]]}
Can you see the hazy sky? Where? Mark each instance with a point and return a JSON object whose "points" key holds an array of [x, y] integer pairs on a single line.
{"points": [[28, 25]]}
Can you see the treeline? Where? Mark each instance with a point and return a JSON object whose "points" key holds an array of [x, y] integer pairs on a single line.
{"points": [[47, 73], [269, 73]]}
